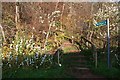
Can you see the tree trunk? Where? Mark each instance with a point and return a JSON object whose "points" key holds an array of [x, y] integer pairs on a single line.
{"points": [[17, 16], [16, 19]]}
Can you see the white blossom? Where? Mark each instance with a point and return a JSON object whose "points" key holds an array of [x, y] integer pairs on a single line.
{"points": [[17, 47], [9, 65], [33, 28], [37, 67], [40, 17], [55, 12], [11, 46]]}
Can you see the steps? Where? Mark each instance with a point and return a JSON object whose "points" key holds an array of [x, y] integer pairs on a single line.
{"points": [[77, 65], [77, 60]]}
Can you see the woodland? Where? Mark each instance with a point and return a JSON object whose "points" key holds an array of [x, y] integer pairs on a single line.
{"points": [[40, 36]]}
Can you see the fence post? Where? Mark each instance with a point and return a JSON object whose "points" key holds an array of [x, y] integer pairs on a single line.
{"points": [[96, 60]]}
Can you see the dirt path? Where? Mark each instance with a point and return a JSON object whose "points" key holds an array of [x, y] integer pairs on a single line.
{"points": [[79, 69], [77, 63], [69, 47], [84, 73]]}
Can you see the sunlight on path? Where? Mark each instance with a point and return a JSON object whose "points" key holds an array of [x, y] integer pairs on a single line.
{"points": [[69, 47]]}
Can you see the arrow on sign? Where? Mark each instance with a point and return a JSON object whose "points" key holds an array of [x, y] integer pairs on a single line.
{"points": [[102, 23]]}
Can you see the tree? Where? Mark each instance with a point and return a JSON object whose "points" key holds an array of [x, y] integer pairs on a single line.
{"points": [[107, 10]]}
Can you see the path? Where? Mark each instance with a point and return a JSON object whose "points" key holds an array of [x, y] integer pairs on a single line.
{"points": [[77, 65], [69, 47]]}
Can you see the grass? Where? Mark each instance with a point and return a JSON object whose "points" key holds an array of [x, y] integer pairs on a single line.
{"points": [[69, 48], [53, 72], [61, 72], [29, 72], [103, 70]]}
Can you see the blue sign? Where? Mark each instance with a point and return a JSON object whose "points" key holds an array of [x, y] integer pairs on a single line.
{"points": [[102, 23]]}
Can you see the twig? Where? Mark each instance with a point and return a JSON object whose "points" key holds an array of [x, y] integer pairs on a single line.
{"points": [[2, 32]]}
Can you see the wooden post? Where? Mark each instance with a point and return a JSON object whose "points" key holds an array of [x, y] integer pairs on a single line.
{"points": [[96, 60], [95, 55], [58, 57]]}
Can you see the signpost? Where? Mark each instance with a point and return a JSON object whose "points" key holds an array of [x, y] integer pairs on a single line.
{"points": [[104, 23], [108, 38]]}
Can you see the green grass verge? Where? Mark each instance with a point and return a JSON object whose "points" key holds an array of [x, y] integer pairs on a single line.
{"points": [[54, 72], [103, 69]]}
